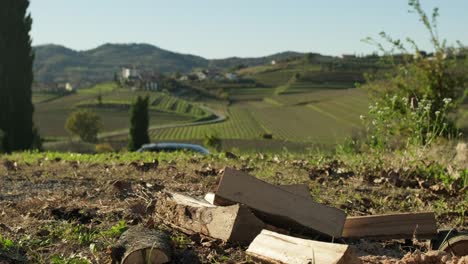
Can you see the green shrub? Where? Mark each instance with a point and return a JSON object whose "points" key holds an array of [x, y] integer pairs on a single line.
{"points": [[396, 122], [104, 148], [413, 104], [85, 124], [213, 141]]}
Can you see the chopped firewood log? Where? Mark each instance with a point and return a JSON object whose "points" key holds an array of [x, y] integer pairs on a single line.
{"points": [[298, 189], [210, 197], [279, 207], [392, 226], [457, 245], [139, 245], [235, 223], [271, 247]]}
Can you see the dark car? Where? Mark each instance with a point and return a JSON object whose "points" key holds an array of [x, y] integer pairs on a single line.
{"points": [[169, 147]]}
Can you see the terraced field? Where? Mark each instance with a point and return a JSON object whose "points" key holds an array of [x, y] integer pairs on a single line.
{"points": [[158, 101], [42, 97], [274, 78], [240, 124], [247, 94], [322, 117], [50, 116], [308, 111]]}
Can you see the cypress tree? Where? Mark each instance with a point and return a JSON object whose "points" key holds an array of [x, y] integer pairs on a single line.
{"points": [[139, 122], [16, 75]]}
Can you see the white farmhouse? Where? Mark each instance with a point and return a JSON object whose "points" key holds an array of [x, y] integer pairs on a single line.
{"points": [[201, 75], [68, 87], [129, 73], [125, 73], [231, 76]]}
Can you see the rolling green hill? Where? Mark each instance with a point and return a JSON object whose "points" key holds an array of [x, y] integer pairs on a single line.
{"points": [[57, 64], [54, 63]]}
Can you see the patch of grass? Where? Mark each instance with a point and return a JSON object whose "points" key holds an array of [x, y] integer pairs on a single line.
{"points": [[116, 230], [56, 259], [99, 88], [6, 243]]}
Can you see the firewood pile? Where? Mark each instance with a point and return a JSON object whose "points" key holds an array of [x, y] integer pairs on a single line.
{"points": [[279, 224]]}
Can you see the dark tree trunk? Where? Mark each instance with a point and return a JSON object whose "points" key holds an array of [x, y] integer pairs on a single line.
{"points": [[16, 75]]}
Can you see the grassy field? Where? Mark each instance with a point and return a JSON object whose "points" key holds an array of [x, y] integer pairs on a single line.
{"points": [[50, 115], [321, 117], [309, 111], [42, 97], [300, 106]]}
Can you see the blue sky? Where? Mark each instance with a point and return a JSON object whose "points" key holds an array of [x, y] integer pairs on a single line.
{"points": [[245, 28]]}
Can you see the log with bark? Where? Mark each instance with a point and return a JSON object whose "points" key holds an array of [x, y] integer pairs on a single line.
{"points": [[392, 226], [284, 208], [271, 247], [234, 223], [139, 245], [457, 245]]}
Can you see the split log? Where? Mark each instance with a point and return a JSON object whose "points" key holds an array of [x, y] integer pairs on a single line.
{"points": [[277, 206], [210, 197], [297, 189], [235, 223], [139, 245], [391, 226], [271, 247]]}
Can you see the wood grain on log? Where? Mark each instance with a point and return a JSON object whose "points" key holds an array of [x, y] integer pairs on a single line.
{"points": [[235, 223], [393, 226], [271, 247], [278, 206]]}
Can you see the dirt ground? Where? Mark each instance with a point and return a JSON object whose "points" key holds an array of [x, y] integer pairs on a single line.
{"points": [[66, 211]]}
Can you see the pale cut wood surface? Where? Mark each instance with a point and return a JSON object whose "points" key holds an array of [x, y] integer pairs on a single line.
{"points": [[279, 207], [271, 247], [235, 223], [396, 226]]}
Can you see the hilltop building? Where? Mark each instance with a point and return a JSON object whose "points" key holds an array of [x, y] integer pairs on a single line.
{"points": [[231, 76], [128, 74], [139, 80], [201, 75], [68, 87], [63, 87]]}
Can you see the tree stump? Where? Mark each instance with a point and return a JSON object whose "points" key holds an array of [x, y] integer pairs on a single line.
{"points": [[139, 245]]}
